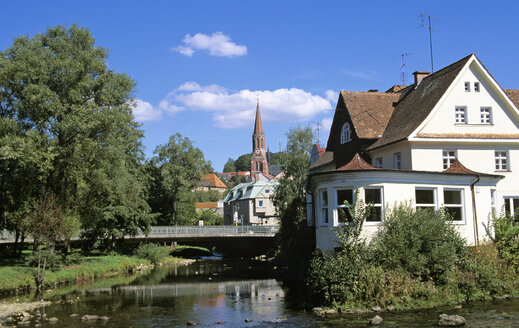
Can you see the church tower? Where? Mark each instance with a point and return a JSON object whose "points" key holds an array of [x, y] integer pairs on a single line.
{"points": [[259, 162]]}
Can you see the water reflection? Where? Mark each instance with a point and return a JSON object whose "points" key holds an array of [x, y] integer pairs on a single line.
{"points": [[226, 291]]}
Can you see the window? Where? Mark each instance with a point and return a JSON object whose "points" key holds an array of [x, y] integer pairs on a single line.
{"points": [[453, 203], [373, 196], [493, 201], [267, 191], [324, 206], [467, 86], [345, 133], [512, 206], [476, 86], [501, 158], [449, 156], [397, 161], [486, 115], [344, 203], [260, 203], [461, 115], [379, 162], [425, 198]]}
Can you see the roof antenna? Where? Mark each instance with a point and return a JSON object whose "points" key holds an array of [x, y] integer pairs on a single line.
{"points": [[426, 20], [318, 126], [402, 67]]}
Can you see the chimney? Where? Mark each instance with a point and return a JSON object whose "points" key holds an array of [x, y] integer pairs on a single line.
{"points": [[419, 75]]}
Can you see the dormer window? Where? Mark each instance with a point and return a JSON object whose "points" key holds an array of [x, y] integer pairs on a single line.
{"points": [[345, 133]]}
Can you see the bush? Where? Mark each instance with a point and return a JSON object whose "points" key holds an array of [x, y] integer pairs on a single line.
{"points": [[210, 218], [54, 260], [506, 239], [422, 242], [151, 252]]}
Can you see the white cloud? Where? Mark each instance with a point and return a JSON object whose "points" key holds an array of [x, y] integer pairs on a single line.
{"points": [[237, 109], [144, 111], [332, 96], [218, 44]]}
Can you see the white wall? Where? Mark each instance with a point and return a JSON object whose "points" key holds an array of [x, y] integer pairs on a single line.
{"points": [[399, 187], [387, 155]]}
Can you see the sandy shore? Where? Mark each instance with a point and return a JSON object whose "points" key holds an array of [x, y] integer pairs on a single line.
{"points": [[7, 309]]}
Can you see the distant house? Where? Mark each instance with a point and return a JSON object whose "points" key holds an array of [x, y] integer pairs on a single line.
{"points": [[251, 204], [317, 152], [450, 140], [212, 182]]}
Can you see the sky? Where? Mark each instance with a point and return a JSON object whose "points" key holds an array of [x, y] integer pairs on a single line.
{"points": [[201, 66]]}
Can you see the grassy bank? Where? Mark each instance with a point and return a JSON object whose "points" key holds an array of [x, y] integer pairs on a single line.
{"points": [[19, 279]]}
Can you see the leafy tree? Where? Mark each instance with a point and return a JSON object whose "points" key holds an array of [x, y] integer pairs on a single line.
{"points": [[210, 218], [230, 166], [70, 132], [175, 170], [242, 163], [290, 198]]}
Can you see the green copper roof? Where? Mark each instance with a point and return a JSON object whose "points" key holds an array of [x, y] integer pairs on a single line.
{"points": [[248, 190]]}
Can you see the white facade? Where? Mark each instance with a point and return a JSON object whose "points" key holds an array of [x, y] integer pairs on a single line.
{"points": [[473, 122]]}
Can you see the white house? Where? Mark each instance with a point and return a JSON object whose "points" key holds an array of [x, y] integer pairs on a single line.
{"points": [[449, 140], [251, 204]]}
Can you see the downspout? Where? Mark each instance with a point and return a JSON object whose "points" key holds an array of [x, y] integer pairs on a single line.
{"points": [[474, 214]]}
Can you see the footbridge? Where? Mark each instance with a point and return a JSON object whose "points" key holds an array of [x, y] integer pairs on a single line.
{"points": [[228, 238]]}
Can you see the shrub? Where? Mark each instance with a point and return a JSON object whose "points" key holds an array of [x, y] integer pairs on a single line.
{"points": [[53, 262], [506, 239], [210, 218], [422, 242], [152, 252]]}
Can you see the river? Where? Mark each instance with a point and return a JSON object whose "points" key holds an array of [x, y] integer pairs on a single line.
{"points": [[234, 293]]}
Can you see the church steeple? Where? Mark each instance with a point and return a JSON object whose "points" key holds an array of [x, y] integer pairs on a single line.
{"points": [[259, 162]]}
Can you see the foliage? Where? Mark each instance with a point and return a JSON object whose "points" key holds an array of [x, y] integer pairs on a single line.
{"points": [[290, 200], [53, 260], [483, 274], [174, 171], [66, 128], [230, 166], [243, 162], [210, 218], [506, 238], [422, 242], [151, 252], [207, 196]]}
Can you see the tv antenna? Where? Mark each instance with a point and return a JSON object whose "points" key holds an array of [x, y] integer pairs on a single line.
{"points": [[426, 22], [404, 64], [317, 129]]}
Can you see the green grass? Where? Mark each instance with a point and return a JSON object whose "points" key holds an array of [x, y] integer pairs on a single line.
{"points": [[14, 278]]}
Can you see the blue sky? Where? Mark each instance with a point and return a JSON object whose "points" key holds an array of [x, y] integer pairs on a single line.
{"points": [[199, 65]]}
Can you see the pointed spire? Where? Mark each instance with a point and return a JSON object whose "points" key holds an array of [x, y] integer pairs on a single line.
{"points": [[258, 128]]}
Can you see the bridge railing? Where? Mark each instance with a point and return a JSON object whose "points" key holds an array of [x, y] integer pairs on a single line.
{"points": [[200, 231]]}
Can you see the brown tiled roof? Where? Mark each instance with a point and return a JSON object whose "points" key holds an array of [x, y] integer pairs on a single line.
{"points": [[470, 135], [320, 150], [206, 205], [356, 163], [397, 88], [457, 167], [416, 104], [513, 95], [213, 180], [370, 111], [325, 158]]}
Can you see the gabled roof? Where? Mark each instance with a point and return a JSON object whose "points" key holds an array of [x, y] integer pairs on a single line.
{"points": [[370, 111], [211, 180], [513, 95], [248, 190], [356, 163], [326, 158], [416, 105]]}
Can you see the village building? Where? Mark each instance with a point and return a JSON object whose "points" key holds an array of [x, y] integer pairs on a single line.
{"points": [[251, 203], [450, 140], [210, 182]]}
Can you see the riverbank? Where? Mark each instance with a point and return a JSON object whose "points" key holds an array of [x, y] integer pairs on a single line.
{"points": [[17, 280]]}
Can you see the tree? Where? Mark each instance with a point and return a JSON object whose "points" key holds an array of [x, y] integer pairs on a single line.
{"points": [[71, 132], [175, 170], [230, 166], [290, 200], [243, 162]]}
